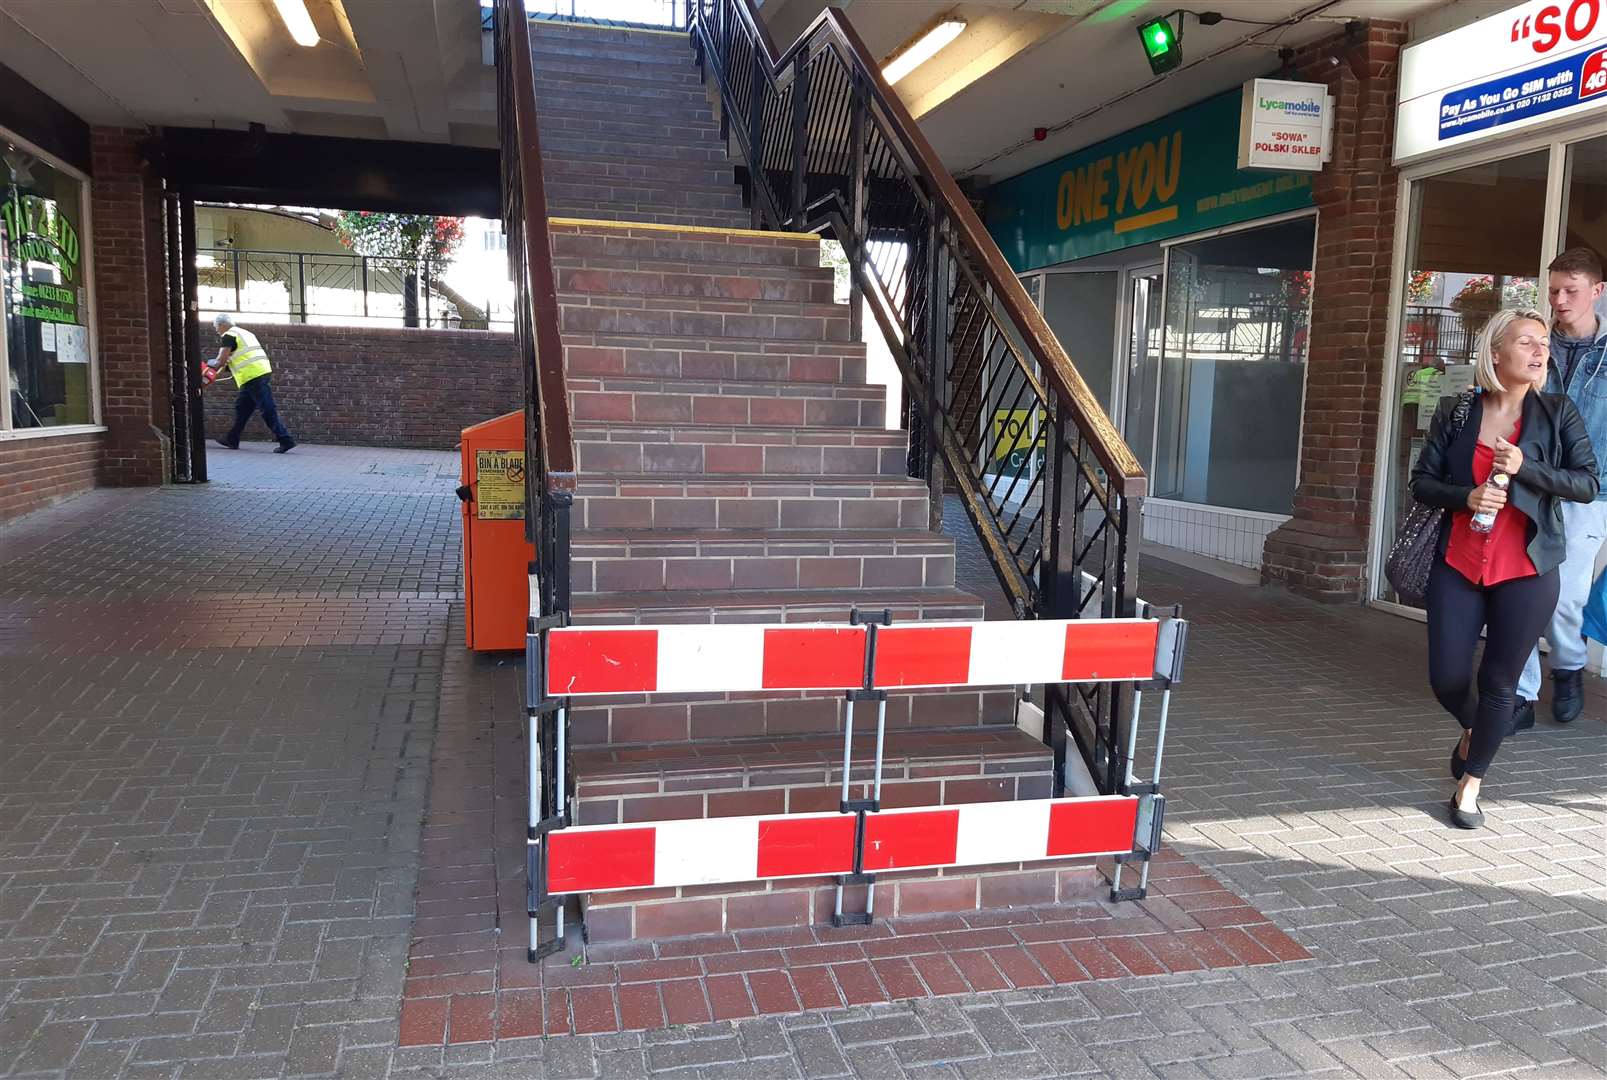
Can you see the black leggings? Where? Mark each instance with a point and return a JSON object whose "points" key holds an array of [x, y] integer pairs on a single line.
{"points": [[1515, 612]]}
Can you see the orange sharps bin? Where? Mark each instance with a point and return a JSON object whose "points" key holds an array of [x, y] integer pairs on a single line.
{"points": [[496, 555]]}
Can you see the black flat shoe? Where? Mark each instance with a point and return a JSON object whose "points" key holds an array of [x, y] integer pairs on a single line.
{"points": [[1458, 763], [1522, 717], [1567, 695], [1465, 819]]}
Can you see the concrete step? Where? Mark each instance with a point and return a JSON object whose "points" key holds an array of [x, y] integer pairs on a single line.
{"points": [[644, 136], [695, 317], [713, 450], [796, 285], [624, 400], [604, 562], [714, 359], [614, 55], [600, 89], [585, 106], [751, 502], [693, 247], [622, 72], [605, 146], [582, 34], [653, 607], [645, 192]]}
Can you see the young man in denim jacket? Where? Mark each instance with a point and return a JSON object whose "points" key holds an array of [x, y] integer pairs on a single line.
{"points": [[1579, 369]]}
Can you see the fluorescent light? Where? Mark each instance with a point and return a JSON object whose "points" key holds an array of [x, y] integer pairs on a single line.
{"points": [[923, 50], [297, 21]]}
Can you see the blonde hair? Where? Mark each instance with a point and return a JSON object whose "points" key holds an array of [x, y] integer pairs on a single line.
{"points": [[1490, 338]]}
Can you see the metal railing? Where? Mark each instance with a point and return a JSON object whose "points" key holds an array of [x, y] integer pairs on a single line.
{"points": [[311, 287], [830, 148]]}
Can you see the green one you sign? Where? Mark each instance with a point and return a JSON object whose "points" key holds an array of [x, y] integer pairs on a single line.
{"points": [[1171, 177]]}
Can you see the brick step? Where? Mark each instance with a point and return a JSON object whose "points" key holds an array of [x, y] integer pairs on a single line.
{"points": [[739, 778], [613, 54], [714, 449], [606, 146], [633, 214], [693, 317], [722, 247], [711, 720], [701, 358], [663, 401], [790, 284], [604, 562], [555, 103], [580, 34], [649, 194], [612, 135], [777, 605], [599, 89], [617, 73], [752, 502], [568, 167]]}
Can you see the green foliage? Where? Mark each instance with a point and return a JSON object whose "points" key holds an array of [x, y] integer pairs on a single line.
{"points": [[416, 237]]}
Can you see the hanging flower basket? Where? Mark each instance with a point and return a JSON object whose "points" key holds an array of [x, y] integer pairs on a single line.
{"points": [[1475, 303]]}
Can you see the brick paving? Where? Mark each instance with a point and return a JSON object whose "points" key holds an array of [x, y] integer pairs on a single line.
{"points": [[209, 852]]}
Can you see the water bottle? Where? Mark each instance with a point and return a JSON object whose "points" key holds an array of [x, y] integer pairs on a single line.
{"points": [[1484, 520]]}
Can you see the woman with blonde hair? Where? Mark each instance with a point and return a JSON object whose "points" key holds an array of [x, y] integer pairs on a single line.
{"points": [[1498, 459]]}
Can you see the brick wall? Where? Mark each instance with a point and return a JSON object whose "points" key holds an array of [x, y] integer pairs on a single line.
{"points": [[130, 296], [1321, 551], [37, 472], [358, 386]]}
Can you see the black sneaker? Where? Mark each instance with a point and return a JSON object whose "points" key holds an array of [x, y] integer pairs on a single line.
{"points": [[285, 446], [1567, 695], [1522, 717], [226, 444]]}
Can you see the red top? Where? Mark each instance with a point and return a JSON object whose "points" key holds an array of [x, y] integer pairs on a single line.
{"points": [[1501, 554]]}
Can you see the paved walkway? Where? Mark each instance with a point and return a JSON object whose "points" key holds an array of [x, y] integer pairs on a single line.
{"points": [[212, 778]]}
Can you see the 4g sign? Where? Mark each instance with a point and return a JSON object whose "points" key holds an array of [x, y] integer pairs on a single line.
{"points": [[1534, 62]]}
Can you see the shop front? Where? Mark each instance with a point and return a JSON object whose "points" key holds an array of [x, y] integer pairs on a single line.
{"points": [[1180, 285], [1503, 164]]}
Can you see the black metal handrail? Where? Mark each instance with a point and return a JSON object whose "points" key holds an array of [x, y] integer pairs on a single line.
{"points": [[993, 400], [549, 439]]}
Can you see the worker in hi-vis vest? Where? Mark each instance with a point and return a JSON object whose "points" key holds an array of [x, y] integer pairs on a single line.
{"points": [[248, 363]]}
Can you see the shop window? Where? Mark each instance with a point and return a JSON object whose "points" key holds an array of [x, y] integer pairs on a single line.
{"points": [[44, 295], [1584, 213], [1232, 372], [1474, 245]]}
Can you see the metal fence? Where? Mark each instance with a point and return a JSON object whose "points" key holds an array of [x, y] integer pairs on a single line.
{"points": [[340, 290]]}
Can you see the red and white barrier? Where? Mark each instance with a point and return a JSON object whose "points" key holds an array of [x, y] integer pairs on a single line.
{"points": [[583, 661], [714, 851]]}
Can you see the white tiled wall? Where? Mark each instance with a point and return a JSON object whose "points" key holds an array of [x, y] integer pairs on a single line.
{"points": [[1234, 536]]}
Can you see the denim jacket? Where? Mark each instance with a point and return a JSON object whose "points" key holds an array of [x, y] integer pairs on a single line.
{"points": [[1587, 385]]}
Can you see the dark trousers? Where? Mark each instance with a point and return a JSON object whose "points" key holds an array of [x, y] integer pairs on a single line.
{"points": [[1512, 614], [255, 396]]}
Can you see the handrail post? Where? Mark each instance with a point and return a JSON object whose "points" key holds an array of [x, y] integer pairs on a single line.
{"points": [[756, 138], [301, 285], [936, 369], [855, 249], [365, 286], [800, 138], [237, 304]]}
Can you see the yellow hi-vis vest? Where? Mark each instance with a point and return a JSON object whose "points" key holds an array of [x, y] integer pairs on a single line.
{"points": [[250, 360]]}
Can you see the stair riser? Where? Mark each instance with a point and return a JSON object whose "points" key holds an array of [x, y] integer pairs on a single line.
{"points": [[683, 218], [590, 575], [601, 91], [727, 459], [666, 913], [704, 324], [620, 56], [750, 512], [579, 35], [701, 363], [578, 170], [666, 408], [621, 73], [610, 111], [628, 137], [800, 286], [644, 194], [664, 719], [711, 250]]}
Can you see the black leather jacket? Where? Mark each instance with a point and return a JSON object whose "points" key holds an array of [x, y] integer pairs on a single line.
{"points": [[1558, 463]]}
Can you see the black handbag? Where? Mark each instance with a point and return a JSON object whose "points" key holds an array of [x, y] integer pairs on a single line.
{"points": [[1416, 546]]}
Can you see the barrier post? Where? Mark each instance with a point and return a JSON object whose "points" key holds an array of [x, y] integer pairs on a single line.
{"points": [[548, 810], [860, 807]]}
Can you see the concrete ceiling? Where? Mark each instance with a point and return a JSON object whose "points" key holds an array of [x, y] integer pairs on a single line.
{"points": [[384, 69], [1074, 66]]}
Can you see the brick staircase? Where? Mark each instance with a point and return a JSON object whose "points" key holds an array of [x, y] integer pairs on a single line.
{"points": [[735, 468]]}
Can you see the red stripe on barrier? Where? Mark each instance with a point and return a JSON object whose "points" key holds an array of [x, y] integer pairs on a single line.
{"points": [[602, 662], [1089, 828], [1115, 650], [920, 838], [922, 656], [794, 848], [609, 859], [817, 658]]}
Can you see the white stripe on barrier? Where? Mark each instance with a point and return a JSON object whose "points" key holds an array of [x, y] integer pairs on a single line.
{"points": [[706, 851], [691, 658], [1002, 832], [1012, 652]]}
